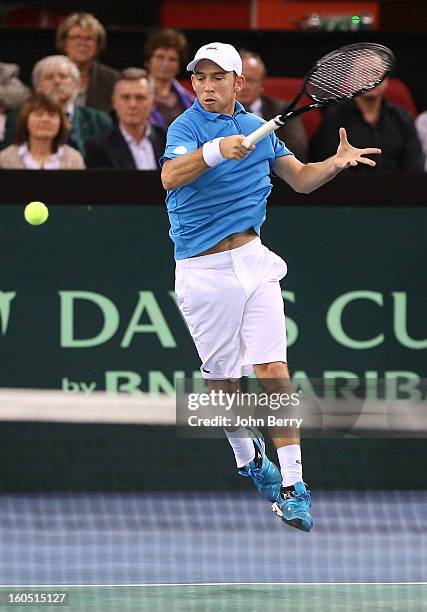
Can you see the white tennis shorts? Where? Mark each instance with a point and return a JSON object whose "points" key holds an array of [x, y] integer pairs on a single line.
{"points": [[233, 306]]}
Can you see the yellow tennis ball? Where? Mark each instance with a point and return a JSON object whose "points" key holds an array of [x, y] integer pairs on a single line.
{"points": [[36, 213]]}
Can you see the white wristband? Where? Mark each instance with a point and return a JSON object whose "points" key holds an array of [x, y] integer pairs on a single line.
{"points": [[212, 153]]}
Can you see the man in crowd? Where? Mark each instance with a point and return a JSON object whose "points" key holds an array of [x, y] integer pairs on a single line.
{"points": [[134, 143], [253, 99], [374, 121], [57, 77]]}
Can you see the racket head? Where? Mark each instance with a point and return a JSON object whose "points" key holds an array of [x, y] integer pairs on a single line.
{"points": [[348, 72]]}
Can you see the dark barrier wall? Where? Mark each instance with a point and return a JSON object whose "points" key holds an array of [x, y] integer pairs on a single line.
{"points": [[57, 457]]}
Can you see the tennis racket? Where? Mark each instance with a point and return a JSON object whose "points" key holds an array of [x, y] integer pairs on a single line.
{"points": [[338, 76]]}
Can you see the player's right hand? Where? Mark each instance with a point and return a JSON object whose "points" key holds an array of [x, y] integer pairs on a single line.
{"points": [[231, 147]]}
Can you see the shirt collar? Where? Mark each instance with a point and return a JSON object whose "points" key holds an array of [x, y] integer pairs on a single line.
{"points": [[51, 162], [256, 107], [129, 139], [238, 108], [69, 111]]}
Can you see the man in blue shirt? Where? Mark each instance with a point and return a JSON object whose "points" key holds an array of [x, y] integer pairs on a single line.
{"points": [[227, 282]]}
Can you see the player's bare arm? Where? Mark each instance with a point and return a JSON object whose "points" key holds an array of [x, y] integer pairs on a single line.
{"points": [[305, 178], [186, 168]]}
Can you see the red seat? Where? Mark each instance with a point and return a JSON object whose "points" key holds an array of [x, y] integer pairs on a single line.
{"points": [[286, 88], [400, 94]]}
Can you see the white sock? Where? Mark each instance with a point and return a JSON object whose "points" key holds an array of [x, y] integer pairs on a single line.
{"points": [[242, 445], [290, 464]]}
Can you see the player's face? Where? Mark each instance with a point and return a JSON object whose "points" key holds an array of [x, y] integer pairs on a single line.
{"points": [[254, 81], [133, 101], [57, 83], [81, 45], [216, 89], [43, 124], [164, 64]]}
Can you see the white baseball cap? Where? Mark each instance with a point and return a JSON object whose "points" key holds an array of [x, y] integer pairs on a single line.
{"points": [[226, 56]]}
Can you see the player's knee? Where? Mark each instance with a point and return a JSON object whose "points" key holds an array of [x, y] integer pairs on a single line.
{"points": [[276, 369]]}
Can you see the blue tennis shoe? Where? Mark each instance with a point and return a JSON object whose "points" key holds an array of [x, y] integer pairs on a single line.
{"points": [[293, 506], [264, 473]]}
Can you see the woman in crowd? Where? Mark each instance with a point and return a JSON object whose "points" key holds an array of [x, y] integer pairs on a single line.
{"points": [[82, 37], [164, 53], [40, 136]]}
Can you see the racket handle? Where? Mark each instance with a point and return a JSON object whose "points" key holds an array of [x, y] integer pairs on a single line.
{"points": [[262, 131]]}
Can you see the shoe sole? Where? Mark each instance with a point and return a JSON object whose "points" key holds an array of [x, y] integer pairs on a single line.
{"points": [[298, 523]]}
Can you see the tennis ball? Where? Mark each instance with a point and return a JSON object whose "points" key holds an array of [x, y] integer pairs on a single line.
{"points": [[36, 213]]}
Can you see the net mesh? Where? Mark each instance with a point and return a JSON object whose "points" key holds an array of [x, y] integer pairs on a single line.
{"points": [[99, 490], [348, 72]]}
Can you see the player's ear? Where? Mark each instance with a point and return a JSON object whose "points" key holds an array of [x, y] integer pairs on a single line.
{"points": [[192, 81], [238, 83]]}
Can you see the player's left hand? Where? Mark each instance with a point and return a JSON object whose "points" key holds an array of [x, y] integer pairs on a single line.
{"points": [[348, 156]]}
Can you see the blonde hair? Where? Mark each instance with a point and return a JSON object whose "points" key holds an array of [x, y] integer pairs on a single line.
{"points": [[83, 20]]}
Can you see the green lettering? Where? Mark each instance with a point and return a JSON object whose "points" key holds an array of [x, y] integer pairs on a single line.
{"points": [[334, 319], [157, 325], [409, 385], [400, 318], [291, 327], [108, 309]]}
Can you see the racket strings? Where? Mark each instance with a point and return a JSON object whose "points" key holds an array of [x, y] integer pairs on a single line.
{"points": [[343, 74]]}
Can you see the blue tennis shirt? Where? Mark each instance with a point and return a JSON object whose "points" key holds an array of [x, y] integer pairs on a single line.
{"points": [[229, 198]]}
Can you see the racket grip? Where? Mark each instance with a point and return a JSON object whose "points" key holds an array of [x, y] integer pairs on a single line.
{"points": [[262, 131]]}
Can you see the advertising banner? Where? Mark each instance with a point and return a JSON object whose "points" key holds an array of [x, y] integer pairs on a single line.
{"points": [[87, 300]]}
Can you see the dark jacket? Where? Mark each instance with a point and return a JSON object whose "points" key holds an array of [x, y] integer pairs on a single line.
{"points": [[394, 134], [86, 122], [293, 133], [110, 149], [101, 85]]}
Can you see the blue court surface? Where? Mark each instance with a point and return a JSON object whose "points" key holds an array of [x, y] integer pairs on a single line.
{"points": [[216, 551]]}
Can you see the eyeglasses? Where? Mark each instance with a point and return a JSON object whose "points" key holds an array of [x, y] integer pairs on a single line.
{"points": [[80, 38]]}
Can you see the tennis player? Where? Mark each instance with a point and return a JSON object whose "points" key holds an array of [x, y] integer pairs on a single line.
{"points": [[227, 281]]}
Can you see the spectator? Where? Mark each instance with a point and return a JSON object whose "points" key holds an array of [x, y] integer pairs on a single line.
{"points": [[82, 38], [421, 125], [164, 53], [252, 98], [12, 92], [57, 77], [375, 122], [134, 143], [40, 136]]}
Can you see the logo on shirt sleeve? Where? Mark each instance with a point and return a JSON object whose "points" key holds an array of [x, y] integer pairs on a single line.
{"points": [[180, 150]]}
